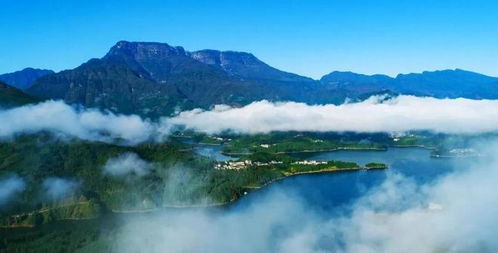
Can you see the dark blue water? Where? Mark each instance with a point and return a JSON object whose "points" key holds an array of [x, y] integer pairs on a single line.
{"points": [[332, 192]]}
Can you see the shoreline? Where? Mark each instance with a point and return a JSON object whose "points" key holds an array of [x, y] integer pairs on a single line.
{"points": [[414, 146], [307, 151], [322, 171], [212, 205], [224, 204]]}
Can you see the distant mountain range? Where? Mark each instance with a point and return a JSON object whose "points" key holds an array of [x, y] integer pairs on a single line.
{"points": [[441, 84], [154, 79], [24, 78]]}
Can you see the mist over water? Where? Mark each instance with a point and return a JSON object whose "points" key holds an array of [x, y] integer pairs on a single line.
{"points": [[453, 209]]}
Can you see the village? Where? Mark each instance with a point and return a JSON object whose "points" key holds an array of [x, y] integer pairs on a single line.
{"points": [[237, 165]]}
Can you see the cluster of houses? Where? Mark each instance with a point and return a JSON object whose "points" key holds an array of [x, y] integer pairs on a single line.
{"points": [[396, 136], [310, 162], [232, 165]]}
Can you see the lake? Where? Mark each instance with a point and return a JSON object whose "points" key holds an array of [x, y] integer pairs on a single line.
{"points": [[213, 152], [329, 192]]}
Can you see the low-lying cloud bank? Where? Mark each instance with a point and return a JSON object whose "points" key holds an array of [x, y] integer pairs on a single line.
{"points": [[457, 213], [87, 124], [376, 114]]}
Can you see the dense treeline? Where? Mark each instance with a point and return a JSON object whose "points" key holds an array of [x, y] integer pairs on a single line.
{"points": [[36, 158], [178, 177]]}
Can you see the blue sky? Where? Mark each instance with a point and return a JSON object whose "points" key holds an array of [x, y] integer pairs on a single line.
{"points": [[306, 37]]}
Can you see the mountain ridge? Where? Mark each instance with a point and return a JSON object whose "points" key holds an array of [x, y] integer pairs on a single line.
{"points": [[450, 83], [166, 66], [156, 79]]}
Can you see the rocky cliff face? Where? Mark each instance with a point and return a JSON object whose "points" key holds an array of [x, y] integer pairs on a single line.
{"points": [[245, 65], [157, 61]]}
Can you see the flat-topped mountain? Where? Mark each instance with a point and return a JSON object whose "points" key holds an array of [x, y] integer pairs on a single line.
{"points": [[24, 78], [157, 79], [156, 61]]}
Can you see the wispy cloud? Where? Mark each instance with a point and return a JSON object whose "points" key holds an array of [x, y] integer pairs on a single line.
{"points": [[58, 188], [9, 187], [125, 164]]}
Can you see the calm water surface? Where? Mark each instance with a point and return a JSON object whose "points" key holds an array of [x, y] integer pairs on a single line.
{"points": [[330, 192]]}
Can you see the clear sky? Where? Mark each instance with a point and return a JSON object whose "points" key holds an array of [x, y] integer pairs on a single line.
{"points": [[310, 38]]}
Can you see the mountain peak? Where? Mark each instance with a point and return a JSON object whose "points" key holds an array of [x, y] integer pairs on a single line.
{"points": [[157, 60], [144, 49]]}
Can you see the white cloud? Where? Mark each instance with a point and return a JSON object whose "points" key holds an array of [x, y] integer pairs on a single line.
{"points": [[9, 187], [125, 164], [60, 118], [402, 113]]}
